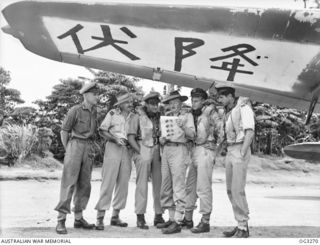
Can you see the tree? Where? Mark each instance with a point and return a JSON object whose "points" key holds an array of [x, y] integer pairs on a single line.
{"points": [[277, 127], [23, 115], [66, 94], [9, 97]]}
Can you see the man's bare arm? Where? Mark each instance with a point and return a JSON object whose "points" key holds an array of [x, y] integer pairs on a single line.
{"points": [[64, 138], [134, 144], [110, 137], [248, 137]]}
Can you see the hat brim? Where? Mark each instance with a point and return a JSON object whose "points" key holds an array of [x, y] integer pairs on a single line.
{"points": [[122, 101], [225, 89], [181, 97], [86, 88], [151, 98], [93, 90]]}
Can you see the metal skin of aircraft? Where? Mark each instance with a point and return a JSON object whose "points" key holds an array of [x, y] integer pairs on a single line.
{"points": [[269, 55]]}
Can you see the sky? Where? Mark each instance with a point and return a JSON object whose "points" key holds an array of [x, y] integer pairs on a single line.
{"points": [[34, 76]]}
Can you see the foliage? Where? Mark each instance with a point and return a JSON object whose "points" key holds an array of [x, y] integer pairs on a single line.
{"points": [[277, 127], [17, 141], [44, 141], [22, 115], [9, 97], [66, 94]]}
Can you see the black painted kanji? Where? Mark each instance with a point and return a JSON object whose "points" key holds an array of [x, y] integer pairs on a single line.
{"points": [[73, 33], [180, 47], [232, 67], [106, 40]]}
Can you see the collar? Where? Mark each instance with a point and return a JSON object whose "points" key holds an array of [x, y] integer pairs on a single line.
{"points": [[197, 112], [150, 114], [118, 112], [86, 106], [233, 106]]}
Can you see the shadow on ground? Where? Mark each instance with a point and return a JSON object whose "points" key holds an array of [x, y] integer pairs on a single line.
{"points": [[133, 232]]}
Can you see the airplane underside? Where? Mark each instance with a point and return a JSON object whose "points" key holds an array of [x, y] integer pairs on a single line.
{"points": [[269, 55]]}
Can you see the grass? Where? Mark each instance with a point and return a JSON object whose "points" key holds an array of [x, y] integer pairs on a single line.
{"points": [[37, 162], [17, 142]]}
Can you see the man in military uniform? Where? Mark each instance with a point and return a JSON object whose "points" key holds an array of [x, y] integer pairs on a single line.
{"points": [[77, 135], [175, 160], [116, 167], [239, 128], [199, 181], [143, 136]]}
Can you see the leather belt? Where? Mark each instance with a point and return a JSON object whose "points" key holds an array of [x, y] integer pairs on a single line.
{"points": [[83, 139], [206, 143], [174, 143], [155, 140], [126, 145], [234, 143]]}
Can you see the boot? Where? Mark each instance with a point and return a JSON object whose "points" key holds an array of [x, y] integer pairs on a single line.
{"points": [[230, 233], [242, 234], [164, 225], [187, 224], [82, 223], [201, 228], [116, 221], [158, 219], [171, 229], [100, 224], [61, 227], [141, 222]]}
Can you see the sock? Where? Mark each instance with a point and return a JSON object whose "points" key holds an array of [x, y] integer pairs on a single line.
{"points": [[188, 215], [205, 218], [78, 215], [100, 214], [242, 225], [62, 216], [178, 216], [115, 212], [171, 214]]}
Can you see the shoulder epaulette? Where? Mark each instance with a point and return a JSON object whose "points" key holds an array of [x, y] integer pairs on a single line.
{"points": [[76, 107], [244, 101]]}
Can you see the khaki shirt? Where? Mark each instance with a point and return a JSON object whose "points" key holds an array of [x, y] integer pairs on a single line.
{"points": [[187, 121], [80, 121], [210, 130], [116, 124], [239, 119], [144, 128]]}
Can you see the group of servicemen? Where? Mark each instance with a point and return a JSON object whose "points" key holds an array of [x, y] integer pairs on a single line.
{"points": [[180, 165]]}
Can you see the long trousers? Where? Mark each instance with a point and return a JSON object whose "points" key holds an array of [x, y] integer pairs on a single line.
{"points": [[236, 174], [76, 178], [116, 172], [199, 180], [175, 160], [147, 164]]}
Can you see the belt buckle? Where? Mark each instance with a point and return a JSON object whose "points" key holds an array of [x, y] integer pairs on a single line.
{"points": [[155, 141]]}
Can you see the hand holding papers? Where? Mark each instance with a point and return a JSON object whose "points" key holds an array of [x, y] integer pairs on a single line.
{"points": [[170, 127]]}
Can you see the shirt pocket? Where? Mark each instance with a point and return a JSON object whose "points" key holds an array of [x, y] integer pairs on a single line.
{"points": [[83, 125], [118, 128]]}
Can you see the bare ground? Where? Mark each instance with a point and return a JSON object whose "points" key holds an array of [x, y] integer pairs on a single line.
{"points": [[133, 232], [283, 196]]}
